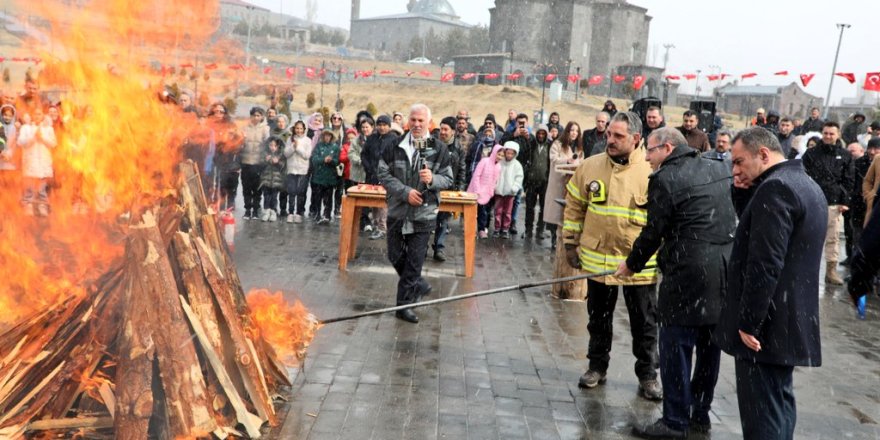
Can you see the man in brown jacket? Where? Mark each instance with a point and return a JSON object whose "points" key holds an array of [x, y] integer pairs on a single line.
{"points": [[695, 137]]}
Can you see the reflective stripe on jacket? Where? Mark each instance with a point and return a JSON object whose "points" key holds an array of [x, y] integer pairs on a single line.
{"points": [[604, 226]]}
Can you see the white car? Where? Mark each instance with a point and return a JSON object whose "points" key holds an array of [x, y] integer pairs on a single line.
{"points": [[419, 60]]}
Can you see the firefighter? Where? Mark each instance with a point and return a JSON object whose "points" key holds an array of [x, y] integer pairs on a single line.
{"points": [[604, 214]]}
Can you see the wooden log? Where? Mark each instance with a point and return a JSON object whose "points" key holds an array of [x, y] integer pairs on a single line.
{"points": [[70, 424], [198, 292], [576, 290], [246, 358], [186, 402], [250, 421], [134, 373]]}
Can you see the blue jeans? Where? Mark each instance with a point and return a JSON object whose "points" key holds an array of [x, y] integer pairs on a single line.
{"points": [[441, 231], [513, 213], [766, 400], [484, 212], [684, 393]]}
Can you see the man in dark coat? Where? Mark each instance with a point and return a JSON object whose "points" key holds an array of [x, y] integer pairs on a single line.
{"points": [[536, 168], [691, 221], [853, 128], [813, 123], [691, 131], [594, 138], [865, 261], [830, 165], [526, 140], [413, 171], [457, 154], [770, 311], [374, 147]]}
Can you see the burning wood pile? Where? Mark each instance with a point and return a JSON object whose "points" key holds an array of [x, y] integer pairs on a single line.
{"points": [[163, 345]]}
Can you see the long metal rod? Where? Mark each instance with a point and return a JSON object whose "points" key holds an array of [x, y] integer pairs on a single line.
{"points": [[842, 27], [468, 295]]}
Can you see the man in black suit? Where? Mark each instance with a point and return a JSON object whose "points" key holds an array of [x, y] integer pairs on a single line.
{"points": [[769, 319]]}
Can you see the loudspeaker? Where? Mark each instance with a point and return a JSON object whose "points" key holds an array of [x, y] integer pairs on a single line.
{"points": [[706, 112]]}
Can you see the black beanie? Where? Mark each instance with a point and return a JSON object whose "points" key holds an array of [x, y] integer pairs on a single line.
{"points": [[450, 121]]}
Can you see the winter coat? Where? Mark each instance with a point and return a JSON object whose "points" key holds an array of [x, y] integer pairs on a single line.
{"points": [[7, 156], [646, 131], [314, 129], [273, 174], [692, 222], [536, 163], [297, 152], [36, 158], [812, 125], [357, 173], [325, 173], [511, 178], [228, 142], [372, 152], [285, 134], [831, 167], [458, 154], [476, 153], [486, 177], [852, 129], [857, 205], [785, 143], [865, 259], [695, 139], [592, 139], [556, 181], [871, 185], [773, 281], [399, 176], [254, 143], [604, 230]]}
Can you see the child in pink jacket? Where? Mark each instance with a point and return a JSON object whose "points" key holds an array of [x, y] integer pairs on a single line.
{"points": [[483, 184]]}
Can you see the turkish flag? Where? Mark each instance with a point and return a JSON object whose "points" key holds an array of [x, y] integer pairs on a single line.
{"points": [[851, 77], [408, 74], [573, 78], [447, 77], [781, 73], [872, 81], [425, 73], [493, 76], [806, 78], [186, 66], [310, 73], [358, 73], [550, 77], [618, 79], [514, 76], [236, 67], [468, 76], [689, 76], [713, 77], [290, 71], [595, 80], [267, 70], [638, 82], [368, 73], [386, 72], [672, 77], [748, 75], [211, 66]]}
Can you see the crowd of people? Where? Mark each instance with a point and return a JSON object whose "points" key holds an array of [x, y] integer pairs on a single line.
{"points": [[733, 221]]}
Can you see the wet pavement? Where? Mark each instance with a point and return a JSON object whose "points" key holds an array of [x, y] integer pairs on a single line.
{"points": [[503, 366]]}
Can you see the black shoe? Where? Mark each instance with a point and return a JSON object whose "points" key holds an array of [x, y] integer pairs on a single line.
{"points": [[439, 255], [658, 430], [528, 233], [407, 315], [425, 291], [513, 230]]}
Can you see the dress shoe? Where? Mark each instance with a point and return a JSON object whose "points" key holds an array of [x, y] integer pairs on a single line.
{"points": [[439, 255], [650, 389], [423, 291], [658, 430], [696, 425], [407, 315]]}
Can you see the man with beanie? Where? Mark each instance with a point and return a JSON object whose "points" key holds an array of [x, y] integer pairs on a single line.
{"points": [[536, 163], [831, 166], [457, 156], [525, 140], [375, 145]]}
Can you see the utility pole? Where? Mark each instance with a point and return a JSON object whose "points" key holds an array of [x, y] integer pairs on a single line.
{"points": [[843, 27], [338, 85], [666, 55], [543, 89], [321, 74], [577, 86], [697, 87]]}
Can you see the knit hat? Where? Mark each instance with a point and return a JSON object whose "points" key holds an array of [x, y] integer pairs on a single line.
{"points": [[449, 121], [384, 119], [875, 125], [490, 117]]}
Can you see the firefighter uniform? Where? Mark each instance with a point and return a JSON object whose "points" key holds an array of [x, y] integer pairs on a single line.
{"points": [[604, 214]]}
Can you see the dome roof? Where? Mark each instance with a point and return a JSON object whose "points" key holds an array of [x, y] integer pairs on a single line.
{"points": [[434, 7]]}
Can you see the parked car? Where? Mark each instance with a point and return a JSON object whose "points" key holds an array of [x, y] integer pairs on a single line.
{"points": [[419, 60]]}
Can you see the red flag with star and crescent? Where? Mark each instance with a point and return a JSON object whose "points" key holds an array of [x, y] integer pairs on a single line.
{"points": [[619, 79], [872, 81], [851, 77], [638, 82], [595, 80]]}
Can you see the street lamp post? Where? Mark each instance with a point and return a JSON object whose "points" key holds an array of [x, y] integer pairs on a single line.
{"points": [[843, 27], [697, 90], [717, 78]]}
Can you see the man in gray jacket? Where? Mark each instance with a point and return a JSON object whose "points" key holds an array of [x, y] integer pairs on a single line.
{"points": [[413, 172]]}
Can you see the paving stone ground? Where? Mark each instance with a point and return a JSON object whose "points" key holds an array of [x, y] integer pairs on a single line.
{"points": [[503, 366]]}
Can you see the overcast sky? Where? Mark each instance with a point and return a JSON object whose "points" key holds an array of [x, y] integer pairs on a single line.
{"points": [[763, 36]]}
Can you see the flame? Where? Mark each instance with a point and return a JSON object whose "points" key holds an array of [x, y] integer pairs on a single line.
{"points": [[116, 141], [288, 328]]}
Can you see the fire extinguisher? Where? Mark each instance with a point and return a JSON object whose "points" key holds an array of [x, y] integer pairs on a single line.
{"points": [[228, 221]]}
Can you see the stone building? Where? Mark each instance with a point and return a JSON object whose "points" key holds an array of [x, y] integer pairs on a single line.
{"points": [[789, 100], [394, 33], [598, 37]]}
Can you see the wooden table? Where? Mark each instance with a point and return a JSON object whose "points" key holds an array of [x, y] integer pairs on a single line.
{"points": [[354, 202]]}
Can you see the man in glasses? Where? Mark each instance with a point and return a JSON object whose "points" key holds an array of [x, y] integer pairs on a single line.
{"points": [[691, 223]]}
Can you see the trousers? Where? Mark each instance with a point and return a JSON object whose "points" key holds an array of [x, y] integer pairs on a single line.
{"points": [[765, 396], [407, 254], [687, 393]]}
